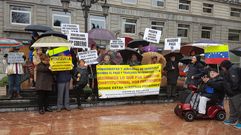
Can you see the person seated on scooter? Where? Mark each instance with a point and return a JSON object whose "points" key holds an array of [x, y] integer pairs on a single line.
{"points": [[213, 89]]}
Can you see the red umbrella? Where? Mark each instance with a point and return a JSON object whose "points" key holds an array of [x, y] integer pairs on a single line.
{"points": [[187, 49], [127, 40], [9, 43], [101, 34]]}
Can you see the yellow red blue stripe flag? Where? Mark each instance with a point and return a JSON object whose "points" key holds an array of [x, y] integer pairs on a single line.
{"points": [[216, 54]]}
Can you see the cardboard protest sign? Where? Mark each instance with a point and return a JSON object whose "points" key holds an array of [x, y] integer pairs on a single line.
{"points": [[78, 40], [90, 57], [152, 35], [172, 44], [116, 81], [15, 57], [61, 63], [117, 44], [67, 28]]}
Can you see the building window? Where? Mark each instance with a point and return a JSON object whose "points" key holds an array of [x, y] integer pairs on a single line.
{"points": [[157, 25], [207, 8], [60, 17], [184, 4], [182, 30], [130, 1], [20, 15], [235, 12], [234, 35], [97, 22], [158, 3], [206, 32], [130, 26]]}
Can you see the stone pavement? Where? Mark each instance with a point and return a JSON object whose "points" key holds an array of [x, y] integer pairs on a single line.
{"points": [[148, 119]]}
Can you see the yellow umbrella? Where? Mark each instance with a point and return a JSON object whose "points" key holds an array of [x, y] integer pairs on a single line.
{"points": [[148, 56], [51, 41]]}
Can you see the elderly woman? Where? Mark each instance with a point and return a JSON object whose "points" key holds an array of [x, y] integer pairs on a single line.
{"points": [[133, 61], [44, 82]]}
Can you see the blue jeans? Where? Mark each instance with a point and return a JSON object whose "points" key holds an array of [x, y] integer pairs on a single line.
{"points": [[14, 82]]}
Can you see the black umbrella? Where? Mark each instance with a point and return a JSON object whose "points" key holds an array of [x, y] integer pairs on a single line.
{"points": [[37, 28], [236, 51], [127, 53], [136, 43], [53, 33], [177, 55]]}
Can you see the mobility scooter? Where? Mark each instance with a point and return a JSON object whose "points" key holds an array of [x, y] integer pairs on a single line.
{"points": [[184, 109]]}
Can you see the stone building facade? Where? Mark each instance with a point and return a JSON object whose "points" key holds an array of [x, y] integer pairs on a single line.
{"points": [[190, 19]]}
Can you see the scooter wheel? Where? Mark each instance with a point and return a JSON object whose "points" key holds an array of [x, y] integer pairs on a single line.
{"points": [[221, 115], [189, 116]]}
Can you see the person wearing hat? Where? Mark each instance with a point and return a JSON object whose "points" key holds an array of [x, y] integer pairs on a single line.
{"points": [[212, 89], [231, 74], [154, 60]]}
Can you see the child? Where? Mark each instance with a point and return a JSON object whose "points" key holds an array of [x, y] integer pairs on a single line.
{"points": [[213, 89], [81, 78]]}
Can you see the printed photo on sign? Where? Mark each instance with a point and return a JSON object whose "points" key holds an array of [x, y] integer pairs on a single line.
{"points": [[78, 40], [67, 28], [152, 35], [172, 44], [90, 57], [117, 44], [15, 57]]}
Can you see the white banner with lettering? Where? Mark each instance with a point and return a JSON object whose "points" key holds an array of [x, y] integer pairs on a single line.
{"points": [[67, 28], [78, 40], [152, 35], [172, 44], [118, 44], [90, 57], [15, 57]]}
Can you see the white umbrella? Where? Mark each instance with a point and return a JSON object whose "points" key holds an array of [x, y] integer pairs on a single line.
{"points": [[51, 41]]}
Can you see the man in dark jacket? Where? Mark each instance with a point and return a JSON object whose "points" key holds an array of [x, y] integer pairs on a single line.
{"points": [[213, 89], [195, 71], [233, 90], [172, 76]]}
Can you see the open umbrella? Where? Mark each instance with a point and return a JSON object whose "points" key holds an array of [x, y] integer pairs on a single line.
{"points": [[37, 28], [51, 41], [127, 40], [9, 43], [206, 42], [101, 34], [150, 48], [53, 33], [187, 49], [127, 53], [177, 55], [148, 56], [236, 51], [136, 43]]}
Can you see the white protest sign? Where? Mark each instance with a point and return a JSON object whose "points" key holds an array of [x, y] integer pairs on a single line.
{"points": [[15, 57], [90, 57], [78, 40], [152, 35], [67, 28], [172, 44], [117, 44]]}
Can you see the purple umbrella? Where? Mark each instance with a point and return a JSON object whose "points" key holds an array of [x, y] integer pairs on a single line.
{"points": [[150, 48], [101, 34]]}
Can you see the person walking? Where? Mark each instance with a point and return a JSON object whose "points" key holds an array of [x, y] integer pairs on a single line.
{"points": [[231, 74], [44, 83], [172, 76], [81, 78]]}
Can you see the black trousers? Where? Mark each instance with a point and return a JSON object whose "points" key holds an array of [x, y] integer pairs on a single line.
{"points": [[78, 91], [43, 97]]}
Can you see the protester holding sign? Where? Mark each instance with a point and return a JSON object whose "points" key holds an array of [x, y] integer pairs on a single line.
{"points": [[44, 82], [14, 72]]}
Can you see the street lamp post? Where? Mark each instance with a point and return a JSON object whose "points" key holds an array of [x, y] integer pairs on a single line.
{"points": [[86, 5]]}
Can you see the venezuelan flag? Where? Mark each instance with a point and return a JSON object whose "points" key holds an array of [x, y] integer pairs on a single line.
{"points": [[216, 54]]}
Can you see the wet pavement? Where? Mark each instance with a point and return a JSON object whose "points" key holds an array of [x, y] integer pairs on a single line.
{"points": [[147, 119]]}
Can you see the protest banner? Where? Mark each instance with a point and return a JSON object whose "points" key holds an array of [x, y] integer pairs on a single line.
{"points": [[216, 54], [15, 57], [90, 57], [152, 35], [116, 81], [118, 44], [172, 44], [61, 63], [78, 40], [67, 28]]}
